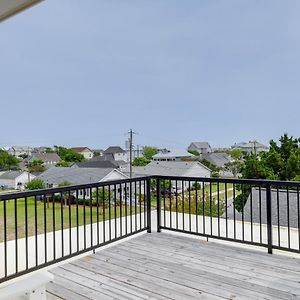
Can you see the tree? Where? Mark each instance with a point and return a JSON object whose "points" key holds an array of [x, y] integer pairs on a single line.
{"points": [[103, 197], [149, 152], [194, 152], [140, 161], [7, 161], [281, 162], [63, 163], [36, 166], [69, 155], [35, 184], [236, 154], [211, 166], [234, 167]]}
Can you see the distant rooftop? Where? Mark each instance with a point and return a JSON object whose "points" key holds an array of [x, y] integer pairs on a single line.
{"points": [[114, 149], [75, 175], [172, 153]]}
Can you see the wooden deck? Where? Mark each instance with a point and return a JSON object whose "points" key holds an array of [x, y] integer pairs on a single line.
{"points": [[166, 266]]}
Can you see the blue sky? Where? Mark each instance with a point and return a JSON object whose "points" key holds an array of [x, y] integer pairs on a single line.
{"points": [[82, 73]]}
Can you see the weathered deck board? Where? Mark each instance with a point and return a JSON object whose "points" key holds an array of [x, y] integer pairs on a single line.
{"points": [[167, 266]]}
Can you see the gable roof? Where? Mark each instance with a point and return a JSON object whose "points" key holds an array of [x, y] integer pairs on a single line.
{"points": [[114, 149], [200, 145], [80, 149], [251, 144], [10, 174], [167, 168], [75, 176]]}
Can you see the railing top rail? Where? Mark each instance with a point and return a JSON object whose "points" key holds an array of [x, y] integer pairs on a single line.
{"points": [[261, 182], [18, 195]]}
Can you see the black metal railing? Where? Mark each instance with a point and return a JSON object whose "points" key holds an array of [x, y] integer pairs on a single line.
{"points": [[257, 212], [43, 227]]}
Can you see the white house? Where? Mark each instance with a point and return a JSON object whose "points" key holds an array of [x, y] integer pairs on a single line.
{"points": [[250, 147], [115, 153], [172, 155], [85, 151], [76, 176], [201, 147], [15, 179]]}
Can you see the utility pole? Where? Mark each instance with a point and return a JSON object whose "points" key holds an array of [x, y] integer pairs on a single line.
{"points": [[131, 133]]}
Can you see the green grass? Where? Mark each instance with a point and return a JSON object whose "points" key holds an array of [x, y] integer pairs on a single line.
{"points": [[48, 210]]}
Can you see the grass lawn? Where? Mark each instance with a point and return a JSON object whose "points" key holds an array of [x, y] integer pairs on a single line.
{"points": [[58, 212]]}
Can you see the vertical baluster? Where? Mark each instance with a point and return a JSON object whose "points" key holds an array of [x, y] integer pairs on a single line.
{"points": [[62, 222], [288, 215], [53, 226], [5, 238], [182, 201], [115, 209], [103, 211], [260, 217], [251, 212], [91, 216], [226, 210], [121, 207], [70, 221], [176, 187], [210, 208], [233, 207], [218, 199], [26, 233], [45, 228], [16, 236], [109, 212], [196, 195], [77, 221], [135, 205], [84, 218], [203, 206], [36, 231], [278, 215], [97, 212], [243, 225], [190, 213]]}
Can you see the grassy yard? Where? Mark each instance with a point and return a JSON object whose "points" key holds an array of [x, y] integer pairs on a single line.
{"points": [[65, 212]]}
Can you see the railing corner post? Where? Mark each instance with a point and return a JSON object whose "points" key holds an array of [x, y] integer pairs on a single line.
{"points": [[149, 205], [269, 218], [158, 194]]}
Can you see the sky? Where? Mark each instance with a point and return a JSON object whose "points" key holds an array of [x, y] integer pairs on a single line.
{"points": [[82, 73]]}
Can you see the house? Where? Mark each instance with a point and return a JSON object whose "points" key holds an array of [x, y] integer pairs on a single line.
{"points": [[77, 176], [115, 153], [201, 147], [93, 163], [48, 159], [250, 147], [20, 150], [173, 168], [15, 179], [218, 159], [172, 155], [85, 151], [257, 211]]}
